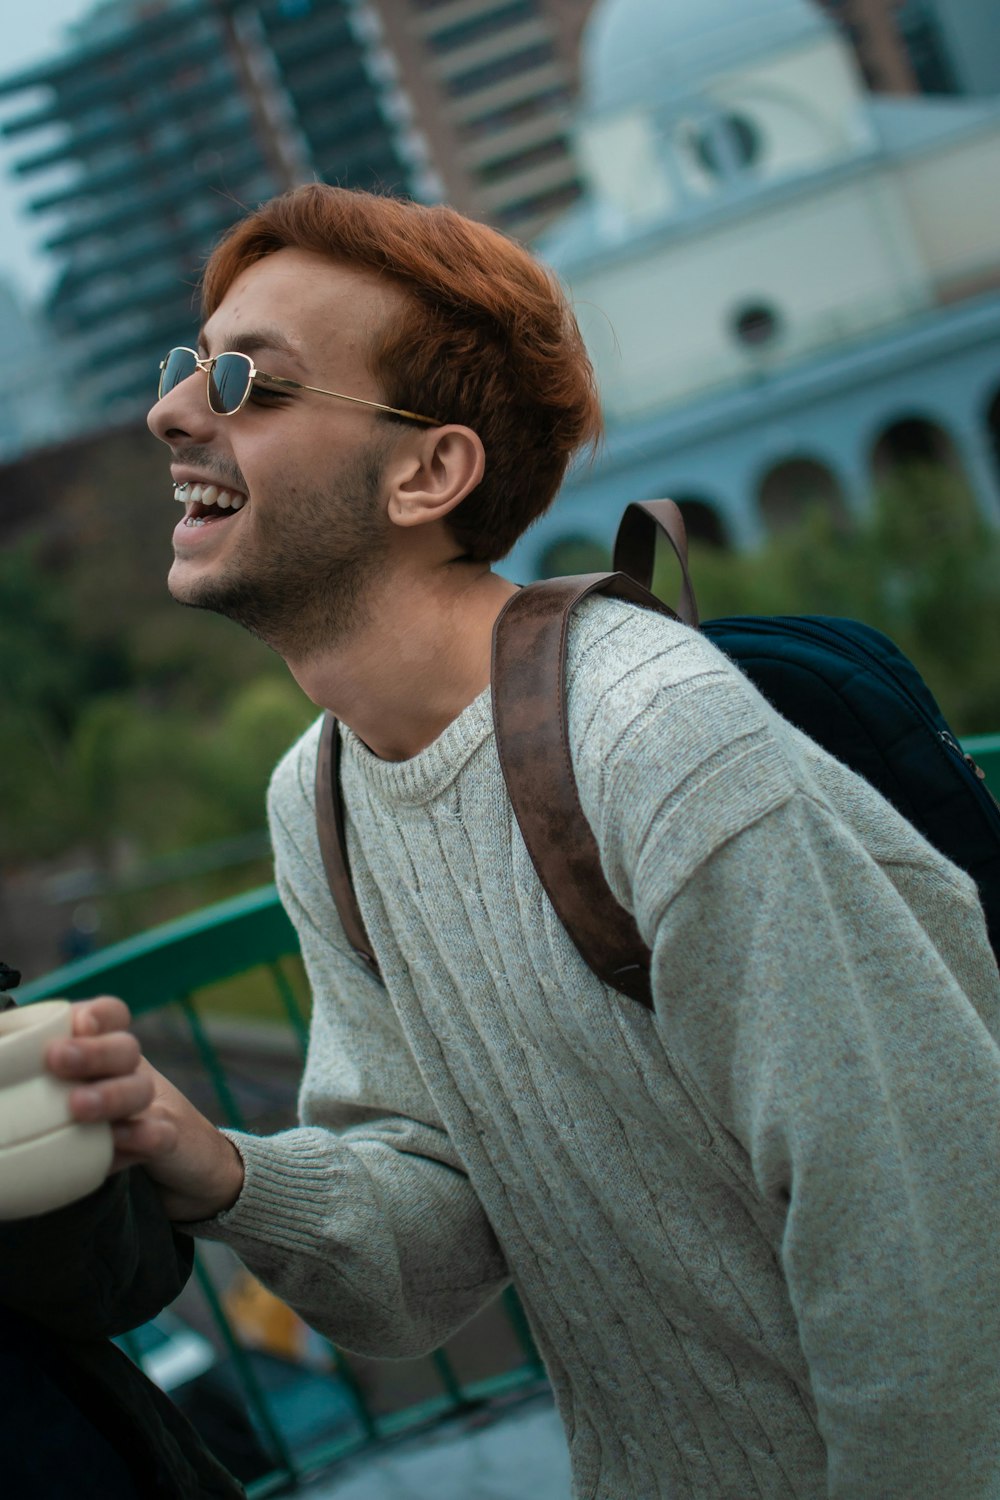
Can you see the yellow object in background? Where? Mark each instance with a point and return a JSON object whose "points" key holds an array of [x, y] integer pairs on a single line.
{"points": [[263, 1321]]}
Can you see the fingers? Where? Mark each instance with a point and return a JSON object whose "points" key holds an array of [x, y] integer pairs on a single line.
{"points": [[106, 1013], [97, 1057], [100, 1042], [153, 1135], [115, 1098], [151, 1122], [106, 1060]]}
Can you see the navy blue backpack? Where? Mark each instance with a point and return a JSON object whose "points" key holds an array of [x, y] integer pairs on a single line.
{"points": [[846, 685]]}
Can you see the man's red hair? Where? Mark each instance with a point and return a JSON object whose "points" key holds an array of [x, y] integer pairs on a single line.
{"points": [[489, 339]]}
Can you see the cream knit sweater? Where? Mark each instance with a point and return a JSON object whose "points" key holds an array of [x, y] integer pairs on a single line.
{"points": [[757, 1234]]}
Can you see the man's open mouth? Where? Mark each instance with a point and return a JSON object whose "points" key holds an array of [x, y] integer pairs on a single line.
{"points": [[208, 502]]}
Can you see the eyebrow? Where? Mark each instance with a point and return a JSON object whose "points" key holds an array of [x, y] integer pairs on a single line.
{"points": [[255, 341]]}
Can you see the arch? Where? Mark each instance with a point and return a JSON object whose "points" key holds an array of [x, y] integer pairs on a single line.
{"points": [[796, 485], [993, 430], [914, 441], [703, 521]]}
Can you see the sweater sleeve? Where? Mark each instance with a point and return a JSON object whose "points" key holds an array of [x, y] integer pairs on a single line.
{"points": [[362, 1218], [829, 1036], [850, 1058]]}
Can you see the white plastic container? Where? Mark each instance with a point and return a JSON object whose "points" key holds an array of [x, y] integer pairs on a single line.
{"points": [[46, 1159]]}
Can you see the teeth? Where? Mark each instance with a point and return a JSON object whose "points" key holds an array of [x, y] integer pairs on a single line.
{"points": [[209, 494]]}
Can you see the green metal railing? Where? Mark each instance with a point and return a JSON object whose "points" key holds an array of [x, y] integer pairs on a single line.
{"points": [[169, 970]]}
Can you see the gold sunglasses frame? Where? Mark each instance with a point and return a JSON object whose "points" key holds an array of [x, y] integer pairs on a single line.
{"points": [[208, 363]]}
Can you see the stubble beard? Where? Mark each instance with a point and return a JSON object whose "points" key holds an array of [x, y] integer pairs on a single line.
{"points": [[315, 556]]}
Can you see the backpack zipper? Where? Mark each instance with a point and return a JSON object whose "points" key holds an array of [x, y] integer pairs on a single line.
{"points": [[977, 771]]}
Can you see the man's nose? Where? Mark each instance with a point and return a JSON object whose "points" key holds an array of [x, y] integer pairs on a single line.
{"points": [[183, 414]]}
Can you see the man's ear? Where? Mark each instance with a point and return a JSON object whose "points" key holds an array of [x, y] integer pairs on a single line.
{"points": [[428, 478]]}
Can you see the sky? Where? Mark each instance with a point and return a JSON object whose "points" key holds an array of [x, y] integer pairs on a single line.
{"points": [[32, 32]]}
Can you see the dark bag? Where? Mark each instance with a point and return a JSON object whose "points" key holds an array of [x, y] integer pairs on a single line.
{"points": [[846, 685]]}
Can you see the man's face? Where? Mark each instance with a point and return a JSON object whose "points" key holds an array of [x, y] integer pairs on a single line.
{"points": [[290, 562]]}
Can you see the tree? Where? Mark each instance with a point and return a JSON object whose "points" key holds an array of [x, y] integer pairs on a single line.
{"points": [[923, 567]]}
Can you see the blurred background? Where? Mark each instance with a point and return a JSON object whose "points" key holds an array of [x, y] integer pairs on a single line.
{"points": [[779, 222]]}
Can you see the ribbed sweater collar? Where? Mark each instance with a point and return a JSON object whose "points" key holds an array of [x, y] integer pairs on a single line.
{"points": [[423, 776]]}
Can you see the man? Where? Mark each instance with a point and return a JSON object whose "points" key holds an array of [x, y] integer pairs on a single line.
{"points": [[756, 1232]]}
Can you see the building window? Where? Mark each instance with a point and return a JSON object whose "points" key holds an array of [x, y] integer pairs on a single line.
{"points": [[478, 28], [727, 146], [545, 101], [500, 68], [545, 205], [755, 325], [523, 161]]}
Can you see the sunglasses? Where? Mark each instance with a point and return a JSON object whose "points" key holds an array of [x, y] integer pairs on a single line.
{"points": [[232, 377]]}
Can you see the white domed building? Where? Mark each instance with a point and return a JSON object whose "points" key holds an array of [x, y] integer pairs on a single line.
{"points": [[787, 284]]}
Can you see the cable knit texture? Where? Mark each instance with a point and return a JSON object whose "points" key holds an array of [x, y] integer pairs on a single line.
{"points": [[757, 1232]]}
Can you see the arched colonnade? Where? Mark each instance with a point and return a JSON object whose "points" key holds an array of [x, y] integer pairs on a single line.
{"points": [[800, 481]]}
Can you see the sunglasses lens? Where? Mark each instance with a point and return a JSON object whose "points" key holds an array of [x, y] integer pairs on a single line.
{"points": [[178, 365], [228, 383]]}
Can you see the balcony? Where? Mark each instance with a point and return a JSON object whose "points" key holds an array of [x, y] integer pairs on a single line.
{"points": [[476, 1406]]}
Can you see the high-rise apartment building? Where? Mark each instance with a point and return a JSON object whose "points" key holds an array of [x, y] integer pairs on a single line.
{"points": [[170, 119], [492, 84]]}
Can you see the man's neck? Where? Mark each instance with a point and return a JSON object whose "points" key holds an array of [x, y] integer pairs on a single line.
{"points": [[420, 658]]}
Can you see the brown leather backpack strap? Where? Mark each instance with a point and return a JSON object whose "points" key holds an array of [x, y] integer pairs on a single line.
{"points": [[333, 843], [531, 722], [635, 548]]}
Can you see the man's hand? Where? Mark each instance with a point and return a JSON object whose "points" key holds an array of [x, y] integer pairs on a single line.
{"points": [[197, 1170]]}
